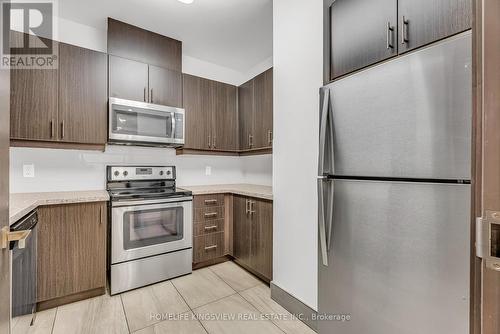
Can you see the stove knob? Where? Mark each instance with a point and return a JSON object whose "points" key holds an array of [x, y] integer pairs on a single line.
{"points": [[125, 173], [117, 173], [161, 173], [169, 172]]}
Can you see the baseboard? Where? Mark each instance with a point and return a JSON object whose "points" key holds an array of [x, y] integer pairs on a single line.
{"points": [[294, 306], [48, 304]]}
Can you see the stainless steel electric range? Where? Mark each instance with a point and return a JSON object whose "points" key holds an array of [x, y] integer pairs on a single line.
{"points": [[151, 226]]}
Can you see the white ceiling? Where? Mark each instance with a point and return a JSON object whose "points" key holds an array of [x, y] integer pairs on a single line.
{"points": [[233, 33]]}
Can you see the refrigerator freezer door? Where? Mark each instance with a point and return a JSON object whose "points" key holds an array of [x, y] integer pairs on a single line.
{"points": [[407, 118], [399, 261]]}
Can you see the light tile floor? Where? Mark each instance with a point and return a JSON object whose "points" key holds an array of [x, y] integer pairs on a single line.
{"points": [[219, 299]]}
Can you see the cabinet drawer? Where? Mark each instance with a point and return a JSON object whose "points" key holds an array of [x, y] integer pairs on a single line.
{"points": [[207, 247], [201, 201], [208, 227], [207, 214]]}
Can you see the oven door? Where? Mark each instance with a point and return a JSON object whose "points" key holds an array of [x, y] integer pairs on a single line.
{"points": [[143, 230], [132, 121]]}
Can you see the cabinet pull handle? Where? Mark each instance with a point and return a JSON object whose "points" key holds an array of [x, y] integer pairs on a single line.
{"points": [[404, 32], [210, 227], [209, 141], [270, 137], [210, 214], [144, 94], [100, 215], [52, 128], [247, 210], [62, 130], [210, 201], [252, 207], [250, 140], [213, 144], [390, 31], [151, 97], [211, 247]]}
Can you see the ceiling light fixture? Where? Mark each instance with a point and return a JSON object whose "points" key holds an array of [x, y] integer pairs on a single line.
{"points": [[186, 1]]}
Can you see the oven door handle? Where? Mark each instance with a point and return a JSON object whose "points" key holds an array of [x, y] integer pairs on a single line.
{"points": [[149, 206], [119, 204]]}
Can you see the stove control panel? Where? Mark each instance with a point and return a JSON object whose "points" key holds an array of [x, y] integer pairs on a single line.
{"points": [[128, 173]]}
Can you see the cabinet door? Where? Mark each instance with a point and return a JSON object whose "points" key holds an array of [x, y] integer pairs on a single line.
{"points": [[33, 102], [71, 249], [128, 79], [241, 230], [263, 109], [246, 114], [426, 21], [132, 42], [363, 32], [225, 128], [198, 116], [82, 95], [261, 249], [165, 87]]}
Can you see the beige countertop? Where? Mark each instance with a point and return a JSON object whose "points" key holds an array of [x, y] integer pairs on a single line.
{"points": [[22, 203], [251, 190]]}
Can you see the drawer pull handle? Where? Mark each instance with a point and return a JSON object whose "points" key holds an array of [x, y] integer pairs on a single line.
{"points": [[210, 201], [210, 214], [210, 227], [211, 247]]}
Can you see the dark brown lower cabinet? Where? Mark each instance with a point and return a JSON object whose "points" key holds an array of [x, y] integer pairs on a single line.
{"points": [[253, 235], [241, 230], [71, 257]]}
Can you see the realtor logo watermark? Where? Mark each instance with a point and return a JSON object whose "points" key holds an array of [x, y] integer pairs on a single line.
{"points": [[28, 29]]}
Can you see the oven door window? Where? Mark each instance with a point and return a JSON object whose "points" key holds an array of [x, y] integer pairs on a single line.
{"points": [[135, 121], [152, 227]]}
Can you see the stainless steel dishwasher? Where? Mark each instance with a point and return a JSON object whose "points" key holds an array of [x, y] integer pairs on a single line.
{"points": [[24, 266]]}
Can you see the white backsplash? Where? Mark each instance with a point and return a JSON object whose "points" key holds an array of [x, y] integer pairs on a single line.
{"points": [[68, 170]]}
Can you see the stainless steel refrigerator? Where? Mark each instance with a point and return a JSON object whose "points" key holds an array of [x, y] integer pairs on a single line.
{"points": [[394, 195]]}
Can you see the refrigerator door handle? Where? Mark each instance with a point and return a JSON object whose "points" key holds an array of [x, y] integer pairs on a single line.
{"points": [[329, 215], [324, 102], [322, 224]]}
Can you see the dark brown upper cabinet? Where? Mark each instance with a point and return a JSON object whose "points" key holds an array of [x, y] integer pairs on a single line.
{"points": [[33, 101], [64, 108], [128, 79], [133, 80], [198, 118], [82, 95], [211, 115], [255, 101], [128, 41], [425, 21], [144, 66], [246, 114], [225, 120], [263, 109], [165, 86], [363, 32]]}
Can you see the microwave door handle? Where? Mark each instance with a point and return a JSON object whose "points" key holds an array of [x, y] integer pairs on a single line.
{"points": [[322, 223], [173, 125], [324, 100]]}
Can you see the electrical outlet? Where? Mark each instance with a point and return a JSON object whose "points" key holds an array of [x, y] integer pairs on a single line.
{"points": [[29, 170], [208, 171]]}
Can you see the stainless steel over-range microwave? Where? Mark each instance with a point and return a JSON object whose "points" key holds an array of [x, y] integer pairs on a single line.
{"points": [[140, 123]]}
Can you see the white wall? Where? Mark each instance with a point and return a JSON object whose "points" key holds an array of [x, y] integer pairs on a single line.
{"points": [[298, 59], [68, 170]]}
